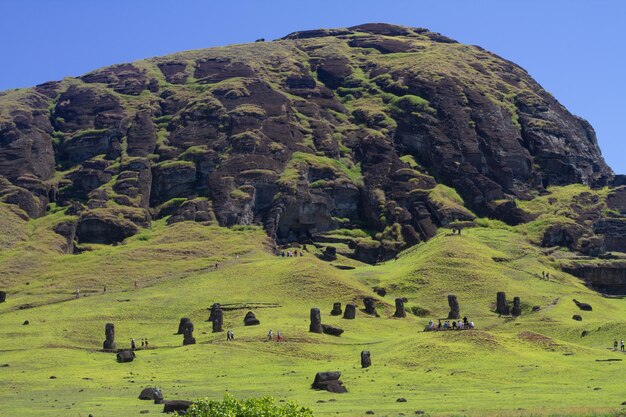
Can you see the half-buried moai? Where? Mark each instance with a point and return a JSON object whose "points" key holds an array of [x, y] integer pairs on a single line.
{"points": [[214, 307], [336, 311], [182, 325], [455, 310], [218, 319], [188, 338], [400, 311], [517, 307], [250, 319], [316, 321], [3, 296], [109, 335], [350, 312], [370, 305], [366, 360], [502, 307]]}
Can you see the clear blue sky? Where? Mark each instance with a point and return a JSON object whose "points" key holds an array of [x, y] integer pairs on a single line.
{"points": [[576, 49]]}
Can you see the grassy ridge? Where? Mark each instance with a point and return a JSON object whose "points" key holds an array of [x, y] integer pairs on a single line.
{"points": [[536, 365]]}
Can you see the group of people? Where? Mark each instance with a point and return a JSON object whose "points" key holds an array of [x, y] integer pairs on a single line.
{"points": [[456, 230], [144, 343], [446, 325], [621, 345], [545, 275], [230, 335], [291, 254], [270, 336]]}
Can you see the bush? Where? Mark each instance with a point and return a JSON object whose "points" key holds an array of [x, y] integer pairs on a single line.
{"points": [[252, 407]]}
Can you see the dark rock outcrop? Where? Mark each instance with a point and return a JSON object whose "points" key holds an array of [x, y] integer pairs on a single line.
{"points": [[606, 277]]}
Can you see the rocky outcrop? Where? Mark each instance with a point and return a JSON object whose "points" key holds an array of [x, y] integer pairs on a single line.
{"points": [[312, 133], [607, 277]]}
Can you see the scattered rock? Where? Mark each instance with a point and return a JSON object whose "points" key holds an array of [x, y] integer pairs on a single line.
{"points": [[125, 356], [536, 308], [3, 296], [584, 333], [582, 306], [152, 394], [329, 381], [250, 319], [350, 312], [170, 406], [401, 400], [26, 323], [53, 377], [331, 330], [316, 321], [577, 317], [370, 412], [380, 291]]}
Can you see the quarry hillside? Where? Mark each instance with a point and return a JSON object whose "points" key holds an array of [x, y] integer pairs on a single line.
{"points": [[416, 178], [389, 129]]}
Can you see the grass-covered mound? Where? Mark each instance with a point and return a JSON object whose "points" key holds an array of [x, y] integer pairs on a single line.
{"points": [[537, 364]]}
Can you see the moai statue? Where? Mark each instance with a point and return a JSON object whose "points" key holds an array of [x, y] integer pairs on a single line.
{"points": [[109, 334], [218, 319], [336, 311], [350, 312], [370, 305], [517, 308], [366, 361], [250, 319], [400, 312], [188, 338], [213, 308], [455, 310], [3, 296], [316, 321], [182, 325], [502, 307]]}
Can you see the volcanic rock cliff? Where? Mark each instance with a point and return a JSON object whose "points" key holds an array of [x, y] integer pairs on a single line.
{"points": [[363, 127]]}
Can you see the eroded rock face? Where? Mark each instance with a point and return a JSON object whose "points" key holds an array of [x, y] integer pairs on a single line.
{"points": [[607, 277], [254, 138]]}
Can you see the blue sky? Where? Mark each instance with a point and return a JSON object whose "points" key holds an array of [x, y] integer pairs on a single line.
{"points": [[574, 48]]}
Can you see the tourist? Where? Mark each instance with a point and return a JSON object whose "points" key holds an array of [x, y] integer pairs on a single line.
{"points": [[547, 276], [622, 346], [615, 344], [543, 274], [270, 334], [445, 325], [77, 292], [132, 344], [143, 344], [471, 325], [216, 264], [465, 320], [146, 343], [439, 325], [282, 254], [105, 289], [278, 337], [454, 324], [136, 284], [461, 326]]}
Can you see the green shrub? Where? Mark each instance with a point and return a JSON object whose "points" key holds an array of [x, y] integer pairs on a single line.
{"points": [[252, 407]]}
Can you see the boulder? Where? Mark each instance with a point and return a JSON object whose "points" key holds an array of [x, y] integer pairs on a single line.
{"points": [[582, 306], [171, 406], [316, 321], [3, 296], [517, 308], [350, 312], [455, 310], [366, 361], [501, 306], [109, 333], [152, 394], [577, 317], [400, 311], [380, 291], [250, 319], [331, 330], [329, 381], [336, 311], [125, 356]]}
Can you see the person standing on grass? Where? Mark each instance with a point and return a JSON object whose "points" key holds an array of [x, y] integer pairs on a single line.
{"points": [[270, 334], [615, 344], [279, 338], [132, 344], [77, 292], [622, 346], [146, 343]]}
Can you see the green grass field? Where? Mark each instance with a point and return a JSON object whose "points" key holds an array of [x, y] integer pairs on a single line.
{"points": [[535, 365]]}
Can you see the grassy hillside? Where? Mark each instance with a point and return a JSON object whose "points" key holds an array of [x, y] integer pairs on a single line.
{"points": [[537, 364]]}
